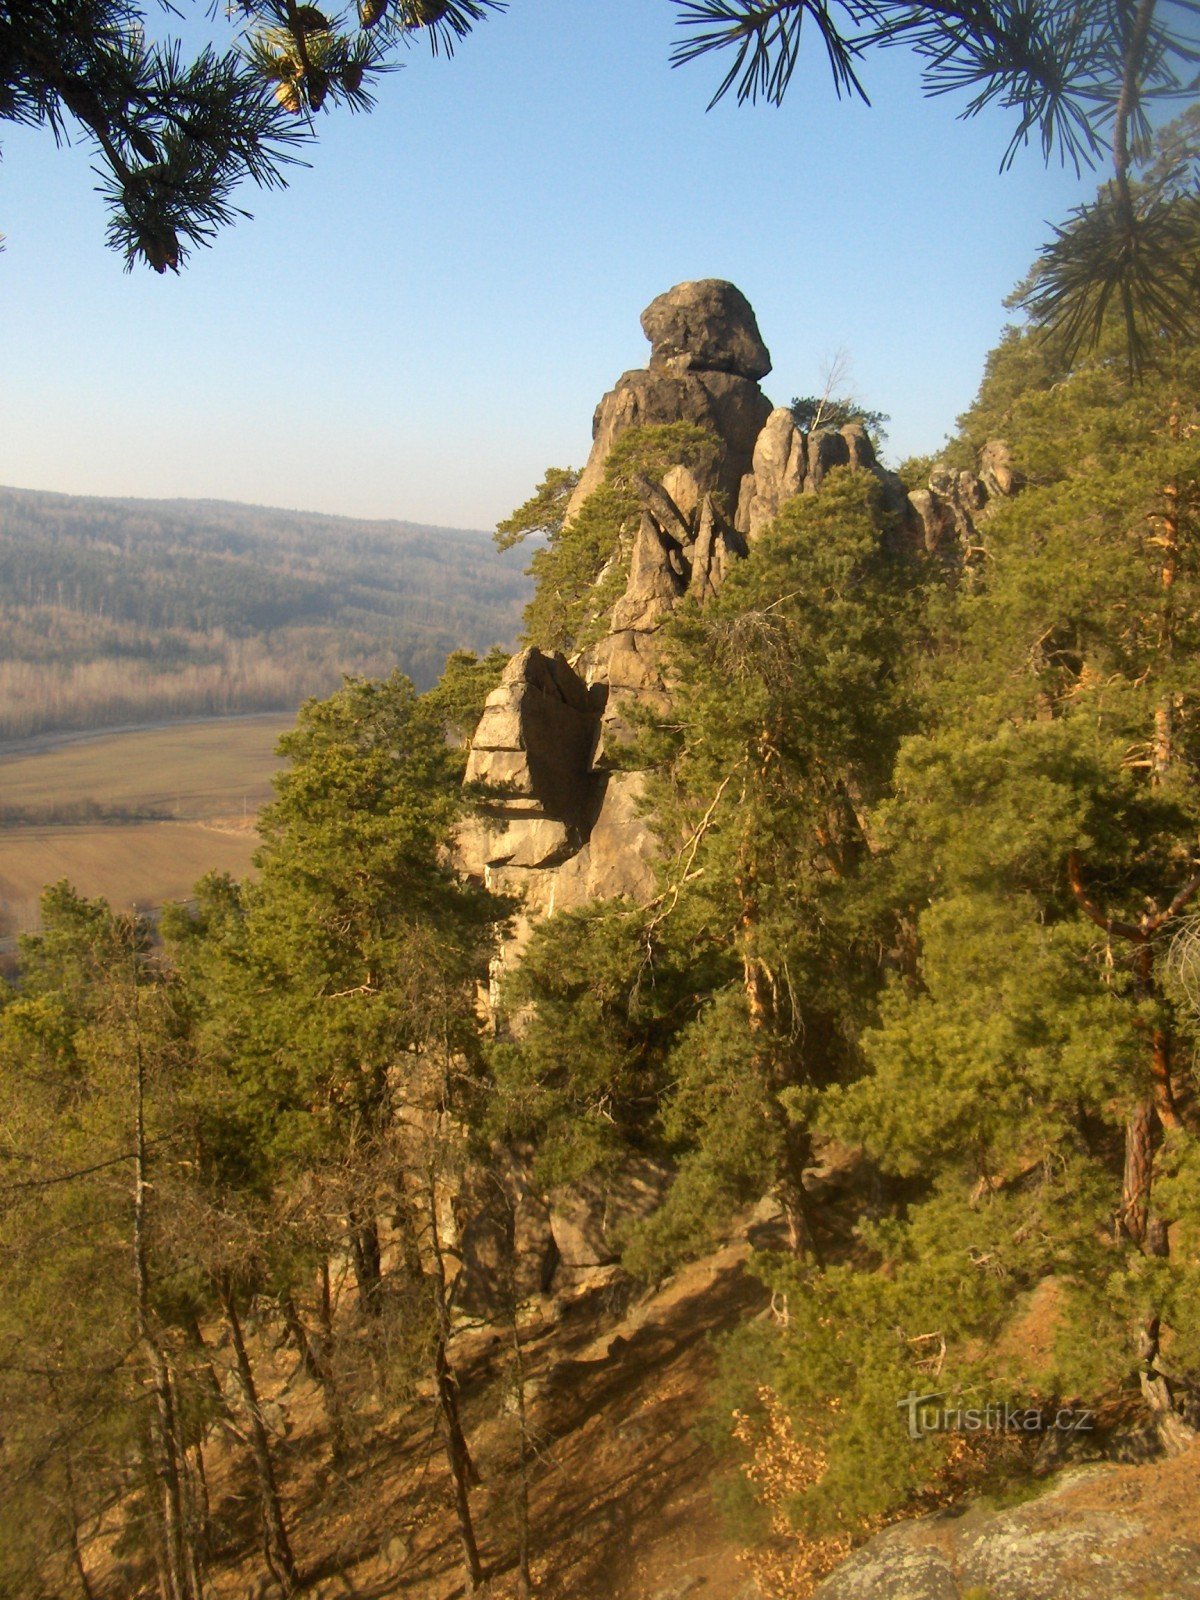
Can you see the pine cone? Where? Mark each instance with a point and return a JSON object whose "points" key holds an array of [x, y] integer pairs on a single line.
{"points": [[143, 144], [370, 11], [161, 250], [312, 20], [352, 76], [317, 84]]}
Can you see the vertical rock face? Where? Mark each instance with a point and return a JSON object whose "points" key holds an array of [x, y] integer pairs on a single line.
{"points": [[559, 824], [778, 470], [788, 462], [948, 509], [673, 555], [996, 470], [530, 764]]}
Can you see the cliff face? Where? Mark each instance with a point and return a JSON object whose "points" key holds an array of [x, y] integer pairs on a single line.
{"points": [[562, 825]]}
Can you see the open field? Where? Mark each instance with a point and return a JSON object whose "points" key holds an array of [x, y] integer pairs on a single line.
{"points": [[135, 816], [130, 864], [219, 767]]}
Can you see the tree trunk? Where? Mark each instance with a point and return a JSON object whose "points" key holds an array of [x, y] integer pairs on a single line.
{"points": [[164, 1453], [1140, 1132], [524, 1579], [193, 1509], [760, 995], [317, 1361], [458, 1456], [277, 1545], [201, 1532], [174, 1566], [73, 1520], [1164, 743], [756, 981], [366, 1258], [85, 1587], [1174, 1433], [1158, 1110], [793, 1197], [1160, 1071], [462, 1469]]}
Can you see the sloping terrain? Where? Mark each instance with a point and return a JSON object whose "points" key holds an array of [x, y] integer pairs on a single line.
{"points": [[621, 1487], [623, 1502]]}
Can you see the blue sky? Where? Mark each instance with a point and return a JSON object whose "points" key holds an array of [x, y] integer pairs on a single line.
{"points": [[426, 318]]}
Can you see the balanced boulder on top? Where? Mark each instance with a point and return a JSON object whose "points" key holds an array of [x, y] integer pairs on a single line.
{"points": [[706, 326]]}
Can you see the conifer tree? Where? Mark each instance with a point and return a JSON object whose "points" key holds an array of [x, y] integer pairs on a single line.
{"points": [[457, 699], [791, 693], [175, 138], [1024, 1092], [581, 568], [356, 1031], [708, 1023], [95, 1377]]}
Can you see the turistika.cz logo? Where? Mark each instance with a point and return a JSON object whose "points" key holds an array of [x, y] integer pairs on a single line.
{"points": [[927, 1413]]}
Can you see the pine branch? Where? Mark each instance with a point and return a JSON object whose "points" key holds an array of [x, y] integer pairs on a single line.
{"points": [[765, 38], [1075, 76]]}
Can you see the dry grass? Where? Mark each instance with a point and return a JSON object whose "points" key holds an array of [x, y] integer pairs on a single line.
{"points": [[189, 770], [131, 864], [72, 794]]}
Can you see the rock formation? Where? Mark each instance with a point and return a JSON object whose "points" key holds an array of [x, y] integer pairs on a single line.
{"points": [[1110, 1533], [707, 327], [706, 355], [787, 462], [559, 822], [530, 760], [947, 509]]}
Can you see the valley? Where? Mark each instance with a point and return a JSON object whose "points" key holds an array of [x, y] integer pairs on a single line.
{"points": [[120, 612]]}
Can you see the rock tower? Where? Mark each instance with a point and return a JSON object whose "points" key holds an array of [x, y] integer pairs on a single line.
{"points": [[562, 824]]}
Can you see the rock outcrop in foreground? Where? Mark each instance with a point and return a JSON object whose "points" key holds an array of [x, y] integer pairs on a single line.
{"points": [[1105, 1533], [560, 823]]}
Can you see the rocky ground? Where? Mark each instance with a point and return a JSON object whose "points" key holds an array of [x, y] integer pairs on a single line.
{"points": [[1101, 1532]]}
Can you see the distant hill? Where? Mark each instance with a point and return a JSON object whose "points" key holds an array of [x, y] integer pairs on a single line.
{"points": [[118, 611]]}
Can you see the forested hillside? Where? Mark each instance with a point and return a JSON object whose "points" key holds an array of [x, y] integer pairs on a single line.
{"points": [[115, 611], [304, 1207]]}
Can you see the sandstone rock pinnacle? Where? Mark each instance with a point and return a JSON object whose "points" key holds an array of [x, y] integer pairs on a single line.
{"points": [[706, 326]]}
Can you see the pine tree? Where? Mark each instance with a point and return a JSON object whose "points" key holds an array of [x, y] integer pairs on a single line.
{"points": [[356, 1033], [100, 1395], [1080, 80], [791, 693], [175, 139], [458, 697], [707, 1024], [581, 569], [1023, 1091]]}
